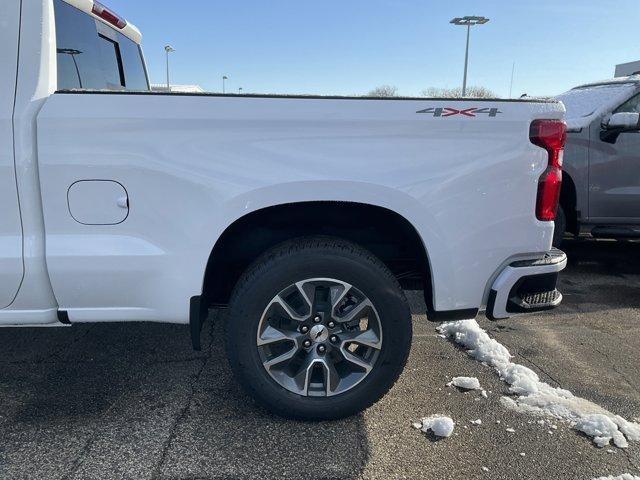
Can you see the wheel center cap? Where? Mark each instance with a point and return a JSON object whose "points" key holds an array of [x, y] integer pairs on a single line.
{"points": [[319, 334]]}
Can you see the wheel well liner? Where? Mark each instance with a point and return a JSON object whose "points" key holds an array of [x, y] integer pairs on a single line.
{"points": [[385, 233]]}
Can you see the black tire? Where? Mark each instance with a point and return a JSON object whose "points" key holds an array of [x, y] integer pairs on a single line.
{"points": [[561, 227], [295, 261]]}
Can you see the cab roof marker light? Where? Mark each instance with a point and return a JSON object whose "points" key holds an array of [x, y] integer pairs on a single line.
{"points": [[108, 15]]}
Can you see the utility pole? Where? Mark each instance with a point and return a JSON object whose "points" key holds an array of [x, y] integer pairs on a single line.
{"points": [[467, 22]]}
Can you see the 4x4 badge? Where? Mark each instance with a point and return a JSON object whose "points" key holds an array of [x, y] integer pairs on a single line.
{"points": [[466, 112]]}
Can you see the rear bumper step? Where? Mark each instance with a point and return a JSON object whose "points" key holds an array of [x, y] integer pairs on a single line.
{"points": [[536, 301], [527, 286]]}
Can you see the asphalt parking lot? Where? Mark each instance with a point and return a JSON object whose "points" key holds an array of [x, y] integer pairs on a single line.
{"points": [[133, 401]]}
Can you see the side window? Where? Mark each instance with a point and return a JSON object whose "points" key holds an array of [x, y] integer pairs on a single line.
{"points": [[94, 56], [135, 74], [111, 61], [630, 106], [78, 49]]}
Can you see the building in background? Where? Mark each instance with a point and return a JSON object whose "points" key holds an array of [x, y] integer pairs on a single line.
{"points": [[177, 88], [626, 69]]}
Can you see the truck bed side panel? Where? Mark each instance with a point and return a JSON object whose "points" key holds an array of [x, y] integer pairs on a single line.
{"points": [[194, 164]]}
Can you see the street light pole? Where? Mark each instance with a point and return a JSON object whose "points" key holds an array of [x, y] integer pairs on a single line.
{"points": [[466, 63], [513, 71], [468, 21], [168, 49], [72, 52], [224, 85]]}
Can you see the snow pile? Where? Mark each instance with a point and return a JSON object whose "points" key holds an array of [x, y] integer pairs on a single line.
{"points": [[466, 383], [585, 104], [535, 396], [624, 476], [439, 425], [603, 429]]}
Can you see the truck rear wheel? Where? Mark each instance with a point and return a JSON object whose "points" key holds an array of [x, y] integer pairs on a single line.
{"points": [[318, 329]]}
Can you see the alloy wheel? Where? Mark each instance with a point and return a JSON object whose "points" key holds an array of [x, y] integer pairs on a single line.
{"points": [[319, 337]]}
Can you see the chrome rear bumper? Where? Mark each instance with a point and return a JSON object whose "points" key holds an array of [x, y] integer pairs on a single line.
{"points": [[527, 286]]}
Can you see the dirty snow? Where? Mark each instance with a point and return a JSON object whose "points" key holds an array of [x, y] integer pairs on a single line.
{"points": [[466, 383], [602, 429], [440, 426], [624, 476], [585, 104], [531, 395]]}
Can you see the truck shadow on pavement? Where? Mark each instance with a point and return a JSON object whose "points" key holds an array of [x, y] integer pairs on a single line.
{"points": [[133, 401]]}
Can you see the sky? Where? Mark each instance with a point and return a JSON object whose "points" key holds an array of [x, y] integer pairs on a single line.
{"points": [[349, 47]]}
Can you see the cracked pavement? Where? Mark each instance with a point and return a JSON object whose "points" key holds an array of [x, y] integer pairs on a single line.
{"points": [[133, 401]]}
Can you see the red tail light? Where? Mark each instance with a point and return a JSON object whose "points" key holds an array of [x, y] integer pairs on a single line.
{"points": [[550, 135], [108, 16]]}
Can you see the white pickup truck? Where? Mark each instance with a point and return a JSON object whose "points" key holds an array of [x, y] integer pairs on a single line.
{"points": [[305, 217]]}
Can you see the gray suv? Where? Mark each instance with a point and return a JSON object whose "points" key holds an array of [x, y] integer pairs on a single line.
{"points": [[601, 173]]}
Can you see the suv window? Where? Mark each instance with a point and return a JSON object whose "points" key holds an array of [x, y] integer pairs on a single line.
{"points": [[93, 56], [630, 106]]}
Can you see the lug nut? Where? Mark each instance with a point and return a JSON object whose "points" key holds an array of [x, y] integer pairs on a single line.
{"points": [[317, 319], [304, 329], [332, 324], [322, 349], [307, 343], [334, 339]]}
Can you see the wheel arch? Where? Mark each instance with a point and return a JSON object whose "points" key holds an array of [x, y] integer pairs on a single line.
{"points": [[387, 234]]}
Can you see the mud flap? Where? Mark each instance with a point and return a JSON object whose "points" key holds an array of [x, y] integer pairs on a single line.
{"points": [[197, 316]]}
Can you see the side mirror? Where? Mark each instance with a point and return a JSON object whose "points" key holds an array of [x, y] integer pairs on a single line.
{"points": [[625, 121], [618, 123]]}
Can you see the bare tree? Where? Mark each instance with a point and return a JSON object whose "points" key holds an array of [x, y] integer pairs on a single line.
{"points": [[472, 92], [384, 91]]}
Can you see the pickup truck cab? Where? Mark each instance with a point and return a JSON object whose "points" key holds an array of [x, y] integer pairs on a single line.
{"points": [[601, 188], [304, 217]]}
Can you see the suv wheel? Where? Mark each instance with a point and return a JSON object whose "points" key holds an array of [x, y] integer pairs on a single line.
{"points": [[318, 329]]}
